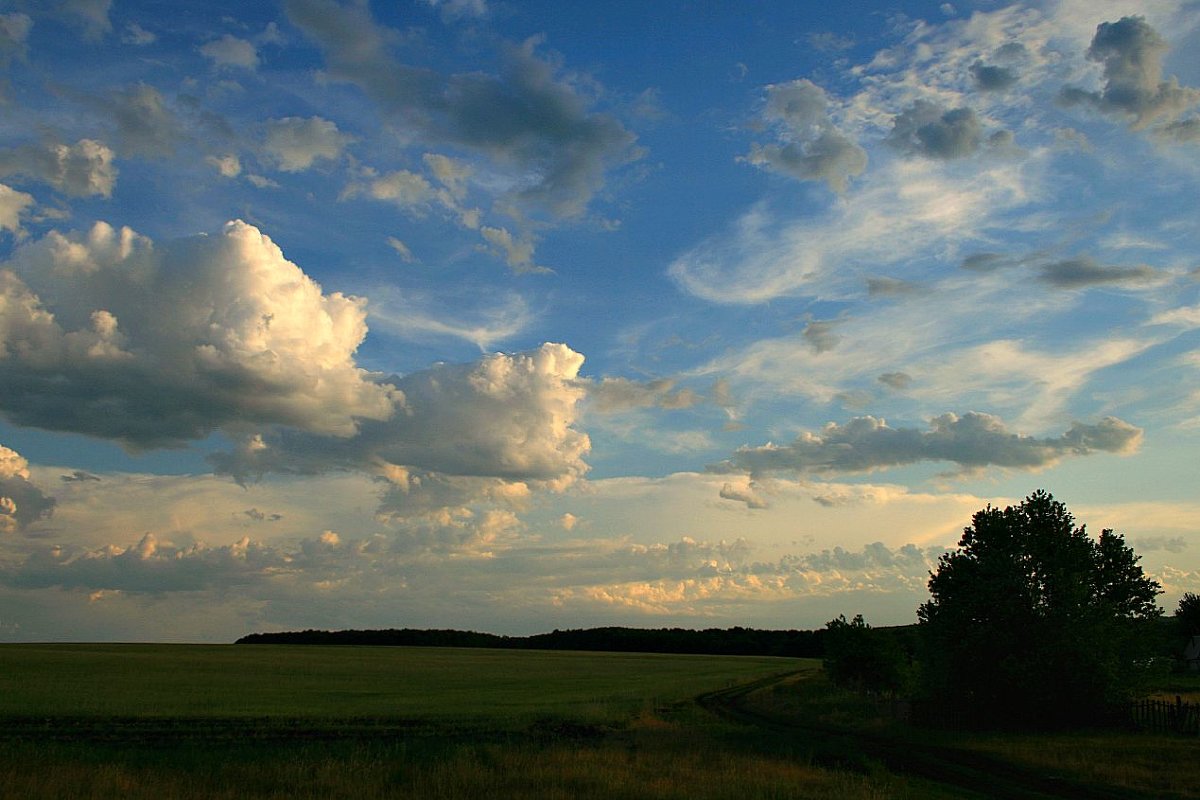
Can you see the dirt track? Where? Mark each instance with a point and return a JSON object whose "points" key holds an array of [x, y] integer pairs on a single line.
{"points": [[973, 774]]}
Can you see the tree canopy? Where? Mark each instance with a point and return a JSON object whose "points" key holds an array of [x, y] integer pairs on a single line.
{"points": [[1187, 614], [1032, 621]]}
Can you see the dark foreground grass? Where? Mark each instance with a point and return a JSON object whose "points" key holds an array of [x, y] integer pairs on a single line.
{"points": [[1143, 764], [307, 722], [666, 761]]}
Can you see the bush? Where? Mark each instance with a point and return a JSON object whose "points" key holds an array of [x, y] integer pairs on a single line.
{"points": [[861, 658]]}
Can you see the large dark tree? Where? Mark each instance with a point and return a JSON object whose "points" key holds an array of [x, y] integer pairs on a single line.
{"points": [[1032, 621]]}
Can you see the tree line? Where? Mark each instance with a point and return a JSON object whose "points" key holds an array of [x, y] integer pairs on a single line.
{"points": [[736, 641]]}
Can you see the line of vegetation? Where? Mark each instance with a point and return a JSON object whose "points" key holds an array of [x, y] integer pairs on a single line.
{"points": [[734, 641]]}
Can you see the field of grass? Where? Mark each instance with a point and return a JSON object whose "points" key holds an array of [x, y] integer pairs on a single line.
{"points": [[150, 721], [282, 681], [272, 721]]}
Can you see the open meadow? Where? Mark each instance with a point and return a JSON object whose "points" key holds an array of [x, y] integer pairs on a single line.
{"points": [[269, 721]]}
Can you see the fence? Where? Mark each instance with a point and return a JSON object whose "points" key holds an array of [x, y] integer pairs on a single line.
{"points": [[1167, 716], [1158, 716]]}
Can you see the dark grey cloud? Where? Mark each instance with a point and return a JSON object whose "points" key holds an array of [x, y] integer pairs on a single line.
{"points": [[991, 78], [1184, 131], [83, 169], [810, 148], [146, 124], [1078, 273], [930, 130], [891, 287], [79, 476], [896, 380], [987, 262], [821, 336], [971, 441], [526, 120], [1132, 52]]}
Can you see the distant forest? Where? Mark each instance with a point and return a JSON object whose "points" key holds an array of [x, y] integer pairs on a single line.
{"points": [[712, 641]]}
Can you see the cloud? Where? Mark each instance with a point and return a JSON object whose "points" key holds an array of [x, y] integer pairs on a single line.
{"points": [[1079, 273], [972, 441], [110, 335], [1184, 131], [810, 147], [991, 78], [703, 579], [987, 262], [138, 36], [401, 250], [744, 494], [14, 31], [507, 417], [78, 476], [531, 125], [930, 130], [896, 380], [1151, 544], [149, 566], [1131, 53], [517, 253], [416, 317], [145, 124], [294, 143], [622, 394], [890, 287], [83, 169], [829, 42], [230, 51], [229, 166], [92, 15], [459, 9], [21, 503], [891, 217], [12, 206], [820, 335], [406, 189]]}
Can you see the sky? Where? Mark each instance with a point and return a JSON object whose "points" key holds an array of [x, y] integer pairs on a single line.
{"points": [[514, 315]]}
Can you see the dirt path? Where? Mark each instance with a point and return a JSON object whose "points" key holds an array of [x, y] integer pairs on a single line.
{"points": [[974, 774]]}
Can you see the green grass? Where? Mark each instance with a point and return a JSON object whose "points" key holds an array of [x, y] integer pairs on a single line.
{"points": [[352, 682], [82, 722], [164, 722]]}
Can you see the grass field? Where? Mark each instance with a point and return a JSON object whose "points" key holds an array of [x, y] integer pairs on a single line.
{"points": [[409, 683], [174, 721], [271, 721]]}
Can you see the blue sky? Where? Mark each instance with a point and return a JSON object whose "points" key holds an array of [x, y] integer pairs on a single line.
{"points": [[521, 315]]}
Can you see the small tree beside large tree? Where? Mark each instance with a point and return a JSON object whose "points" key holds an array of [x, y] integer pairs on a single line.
{"points": [[1031, 621]]}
